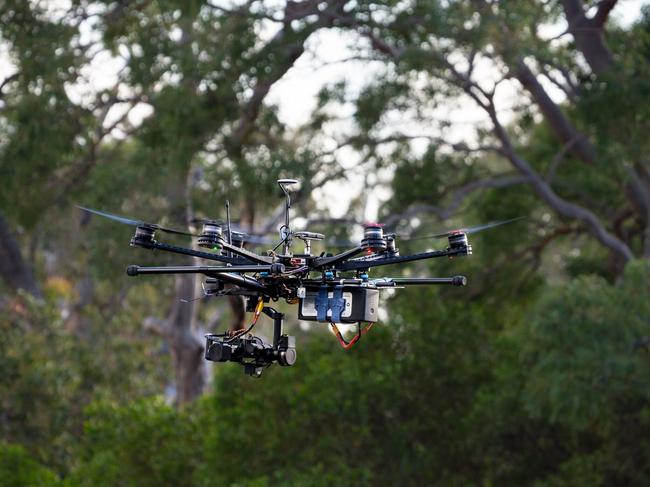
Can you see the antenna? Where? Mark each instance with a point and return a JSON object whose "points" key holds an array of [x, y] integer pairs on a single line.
{"points": [[228, 225], [228, 222], [287, 229]]}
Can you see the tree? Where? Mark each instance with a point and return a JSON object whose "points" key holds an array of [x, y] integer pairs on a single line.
{"points": [[203, 71], [476, 54]]}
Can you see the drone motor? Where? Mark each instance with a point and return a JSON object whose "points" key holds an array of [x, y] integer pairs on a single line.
{"points": [[391, 249], [211, 235], [458, 241], [143, 235], [238, 239], [373, 238]]}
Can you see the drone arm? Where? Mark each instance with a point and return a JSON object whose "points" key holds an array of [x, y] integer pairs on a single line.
{"points": [[260, 259], [134, 270], [185, 251], [328, 261], [365, 264], [225, 274], [242, 281], [419, 281]]}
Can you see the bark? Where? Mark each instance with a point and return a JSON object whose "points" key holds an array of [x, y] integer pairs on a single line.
{"points": [[589, 34], [560, 205], [77, 322], [238, 309], [187, 348], [581, 147], [458, 196], [180, 328], [14, 270]]}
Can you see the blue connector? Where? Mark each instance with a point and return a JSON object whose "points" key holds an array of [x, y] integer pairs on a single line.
{"points": [[264, 274], [364, 277], [329, 275]]}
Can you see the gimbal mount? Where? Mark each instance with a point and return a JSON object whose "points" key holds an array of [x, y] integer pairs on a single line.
{"points": [[251, 351]]}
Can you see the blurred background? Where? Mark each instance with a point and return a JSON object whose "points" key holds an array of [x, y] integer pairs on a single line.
{"points": [[425, 115]]}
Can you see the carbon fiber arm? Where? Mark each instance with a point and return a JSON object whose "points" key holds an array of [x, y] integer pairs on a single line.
{"points": [[366, 264]]}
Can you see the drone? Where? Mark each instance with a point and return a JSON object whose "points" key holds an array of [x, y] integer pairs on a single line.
{"points": [[328, 288]]}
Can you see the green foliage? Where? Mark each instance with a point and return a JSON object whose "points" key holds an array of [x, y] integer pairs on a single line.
{"points": [[52, 368], [569, 384], [594, 330], [18, 469], [145, 443], [448, 391]]}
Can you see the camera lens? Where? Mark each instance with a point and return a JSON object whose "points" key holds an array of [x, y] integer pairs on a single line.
{"points": [[288, 357], [218, 352]]}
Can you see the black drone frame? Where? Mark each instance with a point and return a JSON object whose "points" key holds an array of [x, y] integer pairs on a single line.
{"points": [[331, 297]]}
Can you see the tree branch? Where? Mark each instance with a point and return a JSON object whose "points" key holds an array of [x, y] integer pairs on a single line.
{"points": [[602, 14], [553, 114], [560, 205], [6, 81], [458, 196], [564, 208], [290, 52], [588, 33], [557, 159]]}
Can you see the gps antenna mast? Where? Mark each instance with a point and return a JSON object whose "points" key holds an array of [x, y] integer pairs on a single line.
{"points": [[228, 225], [228, 222], [286, 234]]}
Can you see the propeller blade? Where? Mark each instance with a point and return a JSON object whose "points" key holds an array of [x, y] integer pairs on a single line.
{"points": [[478, 228], [215, 221], [137, 223], [341, 244], [110, 216], [234, 227], [256, 240], [177, 232]]}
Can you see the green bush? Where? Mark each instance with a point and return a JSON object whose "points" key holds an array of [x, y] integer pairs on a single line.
{"points": [[144, 443], [552, 393], [18, 469]]}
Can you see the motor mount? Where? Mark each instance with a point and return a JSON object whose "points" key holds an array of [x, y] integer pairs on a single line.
{"points": [[211, 235], [458, 241], [373, 238]]}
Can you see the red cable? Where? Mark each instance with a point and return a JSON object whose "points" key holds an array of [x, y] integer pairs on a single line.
{"points": [[256, 315], [348, 345]]}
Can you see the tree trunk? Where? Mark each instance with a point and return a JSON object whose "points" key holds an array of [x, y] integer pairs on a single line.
{"points": [[187, 347], [557, 120], [589, 34], [13, 268], [238, 309], [180, 327]]}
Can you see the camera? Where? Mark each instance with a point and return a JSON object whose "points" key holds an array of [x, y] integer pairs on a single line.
{"points": [[250, 351]]}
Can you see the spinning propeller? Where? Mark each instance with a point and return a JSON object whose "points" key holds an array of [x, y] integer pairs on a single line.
{"points": [[375, 240], [467, 231], [135, 223]]}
